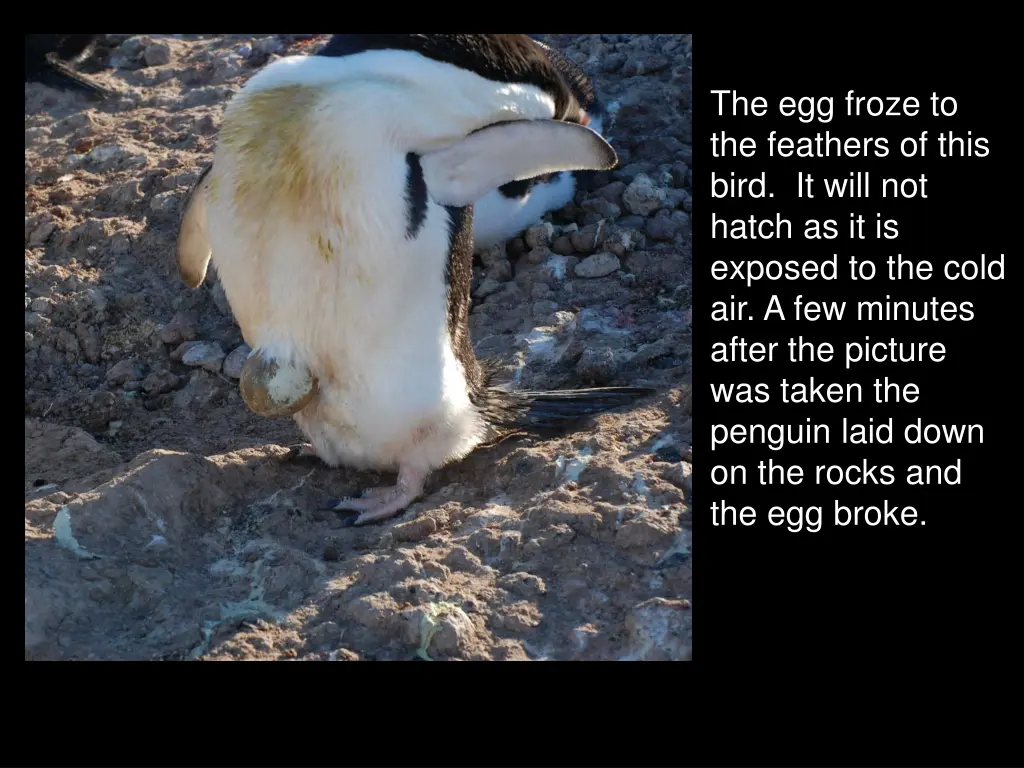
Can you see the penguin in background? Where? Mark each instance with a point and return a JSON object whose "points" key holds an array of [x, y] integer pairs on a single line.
{"points": [[48, 59], [506, 211], [339, 211]]}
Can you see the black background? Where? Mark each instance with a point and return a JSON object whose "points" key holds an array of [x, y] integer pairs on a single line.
{"points": [[850, 597], [867, 645]]}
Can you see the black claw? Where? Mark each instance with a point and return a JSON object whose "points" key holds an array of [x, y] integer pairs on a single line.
{"points": [[348, 518], [331, 506], [298, 454]]}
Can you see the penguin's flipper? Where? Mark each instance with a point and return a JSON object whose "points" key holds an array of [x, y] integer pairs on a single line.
{"points": [[557, 409], [461, 174], [194, 249]]}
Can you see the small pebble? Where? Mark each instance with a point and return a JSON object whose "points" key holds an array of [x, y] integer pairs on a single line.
{"points": [[562, 245], [613, 62], [515, 248], [179, 352], [235, 361], [538, 255], [492, 255], [585, 240], [543, 309], [539, 235], [630, 171], [601, 207], [165, 204], [597, 365], [157, 54], [206, 354], [182, 327], [622, 241], [642, 197], [635, 223], [500, 271], [612, 192], [414, 530], [461, 559], [598, 265], [487, 287], [126, 370], [679, 170], [42, 305], [159, 382], [664, 226]]}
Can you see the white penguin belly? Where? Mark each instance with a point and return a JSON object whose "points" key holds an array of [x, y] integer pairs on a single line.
{"points": [[365, 311]]}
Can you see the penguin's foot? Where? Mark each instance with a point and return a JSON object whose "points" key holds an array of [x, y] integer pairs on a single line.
{"points": [[384, 502], [302, 453]]}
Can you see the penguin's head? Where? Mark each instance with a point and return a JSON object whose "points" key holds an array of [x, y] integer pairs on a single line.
{"points": [[499, 108], [594, 118], [577, 82]]}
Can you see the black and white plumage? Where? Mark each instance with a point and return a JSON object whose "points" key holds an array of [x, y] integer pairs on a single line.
{"points": [[508, 210], [339, 211], [47, 60]]}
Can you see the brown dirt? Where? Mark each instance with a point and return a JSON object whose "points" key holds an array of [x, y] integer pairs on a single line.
{"points": [[160, 522]]}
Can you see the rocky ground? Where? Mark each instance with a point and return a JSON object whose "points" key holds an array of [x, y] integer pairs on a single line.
{"points": [[160, 522]]}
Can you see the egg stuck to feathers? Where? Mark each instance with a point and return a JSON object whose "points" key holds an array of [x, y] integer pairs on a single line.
{"points": [[272, 388]]}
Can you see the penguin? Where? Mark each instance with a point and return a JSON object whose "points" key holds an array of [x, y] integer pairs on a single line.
{"points": [[505, 212], [46, 61], [338, 209]]}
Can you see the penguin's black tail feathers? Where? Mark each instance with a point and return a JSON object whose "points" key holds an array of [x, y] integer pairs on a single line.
{"points": [[547, 410], [561, 408], [555, 409], [57, 74]]}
